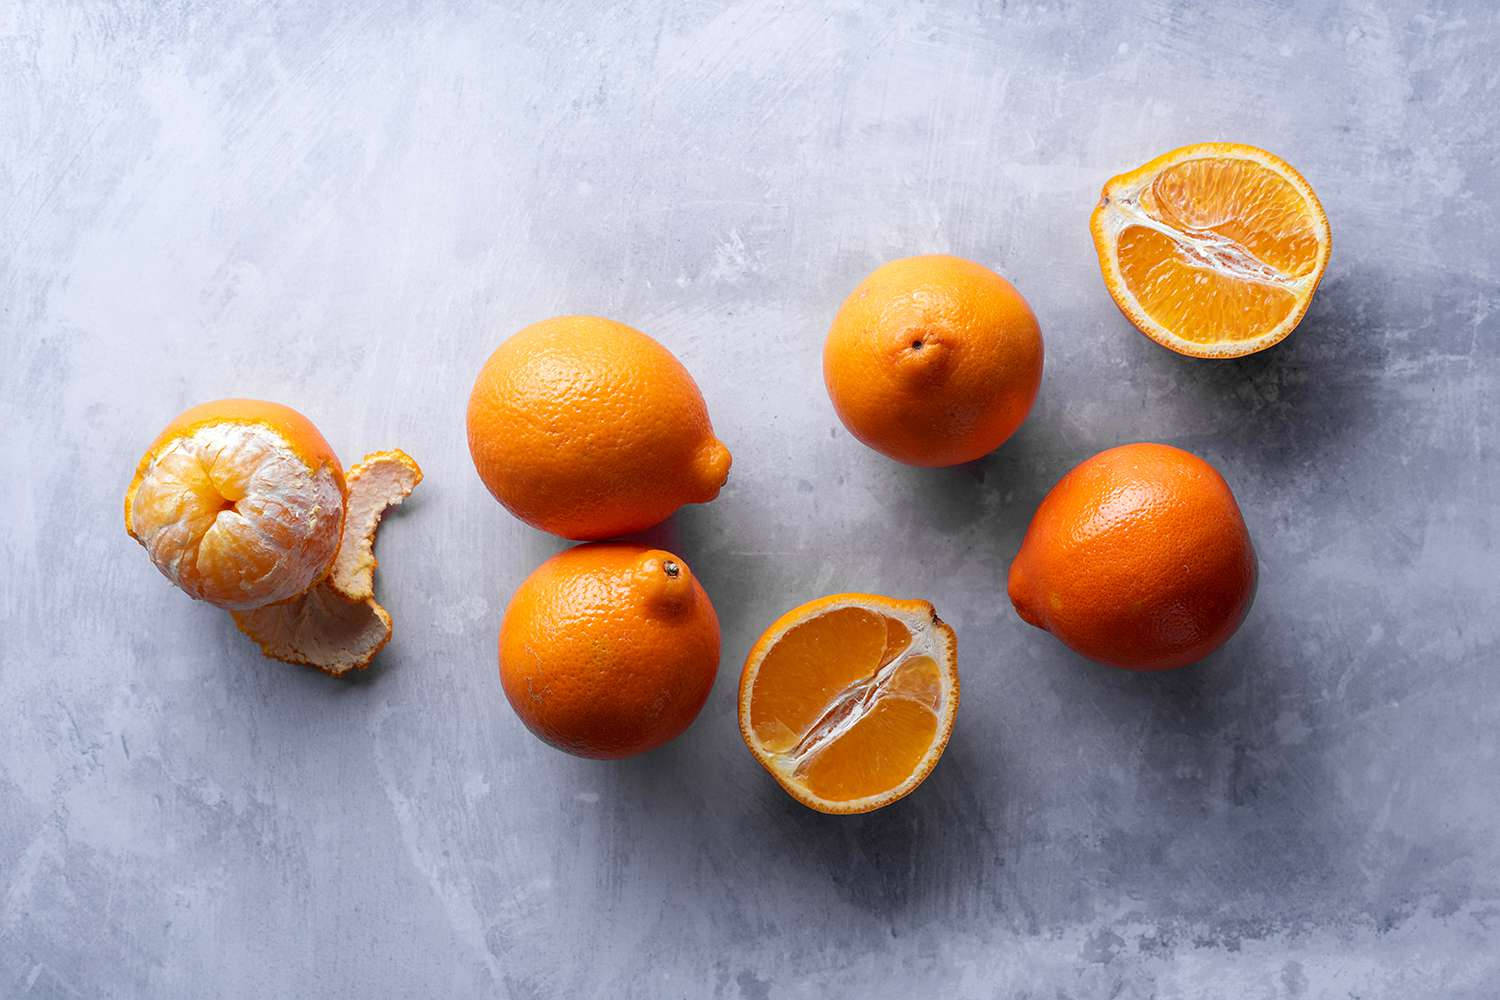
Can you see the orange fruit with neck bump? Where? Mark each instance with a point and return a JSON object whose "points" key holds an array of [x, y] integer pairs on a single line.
{"points": [[848, 701], [238, 502], [590, 429], [1138, 558], [933, 360], [609, 650], [1213, 250]]}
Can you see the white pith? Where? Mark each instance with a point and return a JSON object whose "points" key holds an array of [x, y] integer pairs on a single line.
{"points": [[280, 496], [380, 481], [1121, 208], [856, 701]]}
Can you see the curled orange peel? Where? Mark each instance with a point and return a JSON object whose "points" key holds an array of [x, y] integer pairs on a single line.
{"points": [[337, 626]]}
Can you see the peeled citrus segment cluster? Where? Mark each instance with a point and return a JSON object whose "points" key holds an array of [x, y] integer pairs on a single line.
{"points": [[1212, 250], [338, 626], [239, 502], [849, 701]]}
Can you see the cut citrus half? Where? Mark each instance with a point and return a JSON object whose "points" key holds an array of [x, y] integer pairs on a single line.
{"points": [[338, 626], [1213, 250], [848, 701], [238, 502]]}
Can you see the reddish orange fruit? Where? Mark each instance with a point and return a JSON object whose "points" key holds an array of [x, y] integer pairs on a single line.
{"points": [[590, 429], [609, 650], [848, 701], [933, 360], [1138, 558]]}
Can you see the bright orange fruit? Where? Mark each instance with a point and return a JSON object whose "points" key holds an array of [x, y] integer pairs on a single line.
{"points": [[239, 502], [609, 650], [1139, 558], [933, 360], [848, 701], [1213, 250], [589, 429]]}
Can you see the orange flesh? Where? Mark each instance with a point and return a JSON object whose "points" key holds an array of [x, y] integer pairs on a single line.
{"points": [[879, 752], [1229, 238], [836, 700]]}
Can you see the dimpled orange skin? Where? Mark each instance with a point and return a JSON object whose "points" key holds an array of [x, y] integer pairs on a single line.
{"points": [[933, 360], [1138, 558], [609, 650], [590, 429], [303, 435]]}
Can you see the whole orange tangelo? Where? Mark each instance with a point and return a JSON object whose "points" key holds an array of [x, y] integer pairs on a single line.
{"points": [[589, 429], [1138, 558], [933, 360], [609, 650]]}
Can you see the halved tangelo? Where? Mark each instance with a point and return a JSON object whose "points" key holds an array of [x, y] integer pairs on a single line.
{"points": [[848, 701], [238, 502], [1213, 250], [338, 626]]}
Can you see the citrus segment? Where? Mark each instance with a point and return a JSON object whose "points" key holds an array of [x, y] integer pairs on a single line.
{"points": [[239, 503], [1200, 303], [802, 674], [849, 701], [878, 752], [1212, 250]]}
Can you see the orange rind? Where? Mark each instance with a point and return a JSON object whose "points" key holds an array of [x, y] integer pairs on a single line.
{"points": [[338, 626], [1213, 250], [321, 628], [848, 701], [380, 481]]}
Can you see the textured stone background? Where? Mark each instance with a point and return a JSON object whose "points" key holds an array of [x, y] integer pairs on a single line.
{"points": [[345, 205]]}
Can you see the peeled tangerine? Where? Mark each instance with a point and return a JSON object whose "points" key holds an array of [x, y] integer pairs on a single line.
{"points": [[848, 701], [242, 503], [239, 502]]}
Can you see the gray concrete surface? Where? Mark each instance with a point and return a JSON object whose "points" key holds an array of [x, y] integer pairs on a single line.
{"points": [[345, 205]]}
